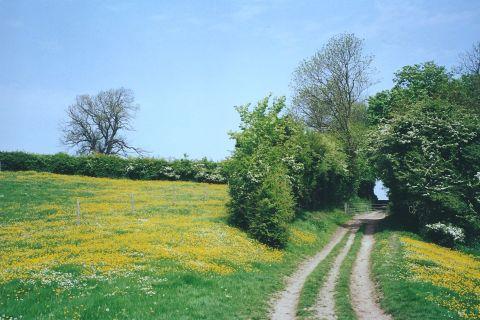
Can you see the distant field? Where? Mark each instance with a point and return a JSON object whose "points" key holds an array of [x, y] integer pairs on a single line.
{"points": [[164, 253]]}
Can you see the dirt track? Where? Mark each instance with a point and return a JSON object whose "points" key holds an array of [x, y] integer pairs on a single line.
{"points": [[364, 298], [325, 307], [285, 304], [362, 288]]}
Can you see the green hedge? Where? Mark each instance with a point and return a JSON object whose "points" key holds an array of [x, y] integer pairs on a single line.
{"points": [[116, 167], [429, 158], [278, 168], [426, 147]]}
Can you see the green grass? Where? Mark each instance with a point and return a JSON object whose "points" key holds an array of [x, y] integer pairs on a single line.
{"points": [[161, 288], [343, 306], [403, 297], [314, 283]]}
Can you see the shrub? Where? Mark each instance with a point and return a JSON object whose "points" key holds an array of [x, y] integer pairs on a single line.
{"points": [[278, 166], [17, 161], [428, 157], [61, 163], [272, 208], [262, 171], [444, 234], [116, 167], [102, 166]]}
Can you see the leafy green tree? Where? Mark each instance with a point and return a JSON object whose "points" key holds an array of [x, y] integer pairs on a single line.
{"points": [[329, 90], [429, 158], [262, 199], [425, 81], [278, 167], [411, 85], [379, 106], [421, 81], [426, 146], [469, 87]]}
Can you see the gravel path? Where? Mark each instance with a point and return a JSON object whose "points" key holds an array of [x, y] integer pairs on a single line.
{"points": [[284, 306], [325, 307], [362, 289]]}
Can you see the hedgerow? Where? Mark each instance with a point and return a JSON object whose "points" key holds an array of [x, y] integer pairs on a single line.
{"points": [[278, 167], [116, 167], [429, 158], [426, 146]]}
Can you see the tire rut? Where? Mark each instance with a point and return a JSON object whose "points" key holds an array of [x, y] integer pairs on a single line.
{"points": [[325, 306], [363, 293], [284, 306], [362, 289]]}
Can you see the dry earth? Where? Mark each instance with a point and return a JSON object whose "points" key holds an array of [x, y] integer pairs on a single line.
{"points": [[364, 297]]}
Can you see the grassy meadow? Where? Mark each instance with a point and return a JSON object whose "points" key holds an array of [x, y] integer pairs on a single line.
{"points": [[421, 280], [164, 253]]}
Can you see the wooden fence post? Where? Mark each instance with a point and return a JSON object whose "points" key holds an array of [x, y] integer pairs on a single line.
{"points": [[132, 202], [78, 211], [174, 196]]}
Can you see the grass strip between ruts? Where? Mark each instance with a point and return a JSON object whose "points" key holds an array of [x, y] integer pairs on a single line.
{"points": [[343, 305]]}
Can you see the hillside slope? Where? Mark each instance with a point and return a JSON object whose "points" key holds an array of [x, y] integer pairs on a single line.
{"points": [[138, 250]]}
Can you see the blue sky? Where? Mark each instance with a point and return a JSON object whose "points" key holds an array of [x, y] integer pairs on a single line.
{"points": [[190, 62]]}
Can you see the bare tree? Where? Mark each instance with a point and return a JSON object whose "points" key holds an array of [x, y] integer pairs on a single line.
{"points": [[331, 84], [470, 61], [96, 124]]}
